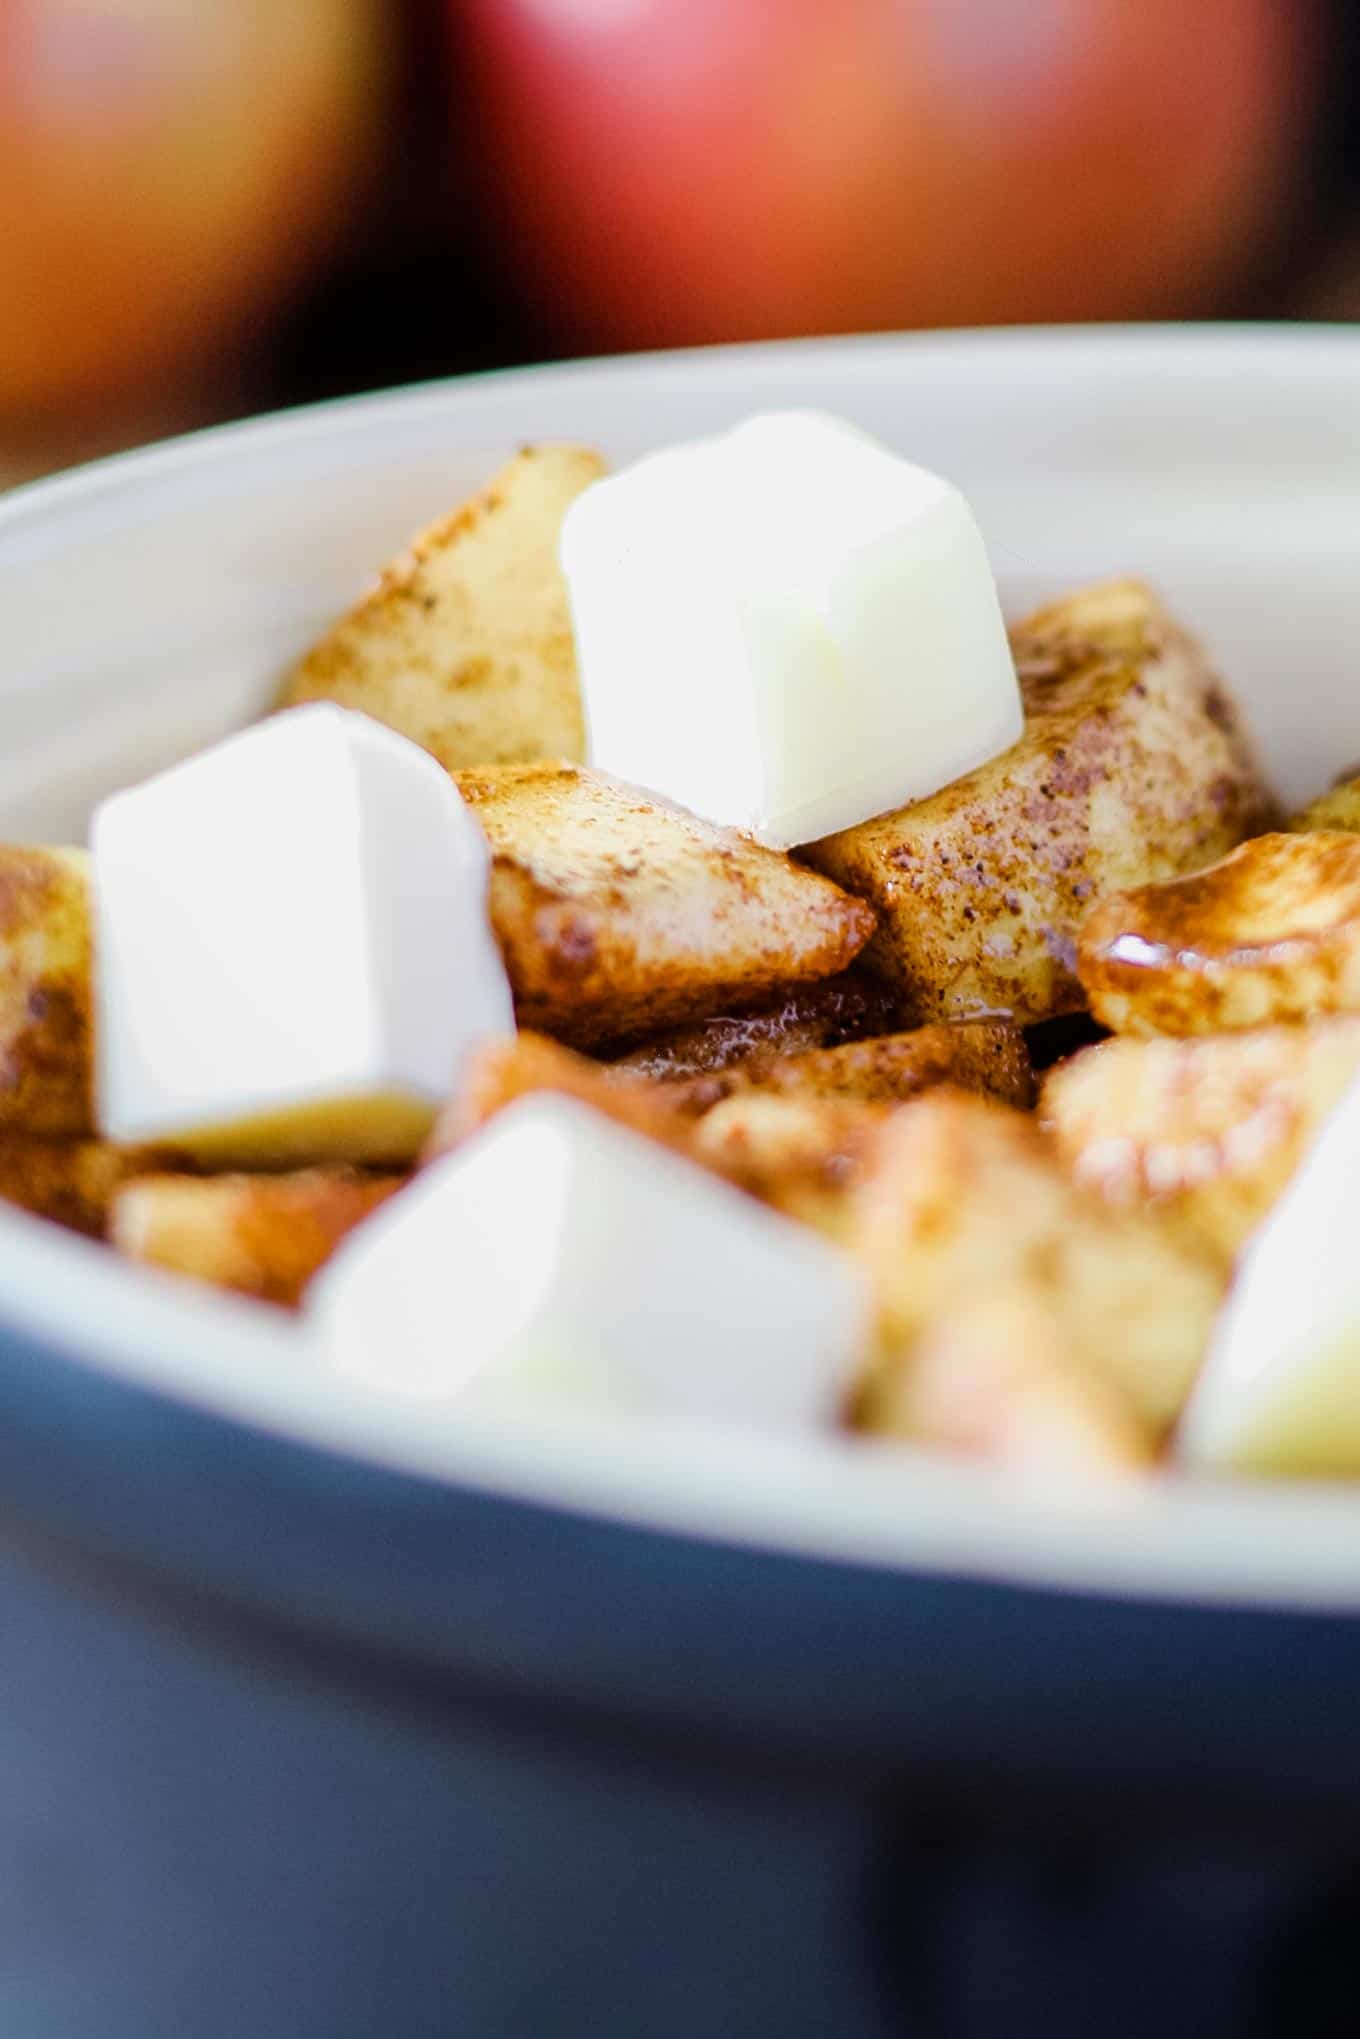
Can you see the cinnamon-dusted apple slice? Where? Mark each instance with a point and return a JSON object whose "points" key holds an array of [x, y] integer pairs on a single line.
{"points": [[987, 1056], [797, 1153], [998, 1379], [851, 1007], [1338, 808], [465, 644], [1208, 1130], [982, 1055], [618, 914], [1270, 933], [802, 1153], [963, 1198], [498, 1072], [46, 1051], [260, 1235], [1133, 766], [72, 1182]]}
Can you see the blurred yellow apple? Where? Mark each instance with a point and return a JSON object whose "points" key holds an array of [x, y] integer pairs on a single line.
{"points": [[167, 169]]}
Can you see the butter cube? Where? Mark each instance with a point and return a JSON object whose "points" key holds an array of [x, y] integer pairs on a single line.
{"points": [[1280, 1391], [292, 947], [559, 1258], [786, 628]]}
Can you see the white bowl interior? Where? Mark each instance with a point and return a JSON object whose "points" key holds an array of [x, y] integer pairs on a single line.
{"points": [[149, 604]]}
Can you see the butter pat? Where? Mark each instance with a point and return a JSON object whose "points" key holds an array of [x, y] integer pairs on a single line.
{"points": [[559, 1257], [292, 946], [786, 628], [1280, 1391]]}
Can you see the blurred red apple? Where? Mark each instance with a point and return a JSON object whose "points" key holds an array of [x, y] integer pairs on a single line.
{"points": [[166, 167], [688, 170]]}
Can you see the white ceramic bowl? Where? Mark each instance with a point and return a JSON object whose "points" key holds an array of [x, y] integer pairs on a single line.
{"points": [[149, 603]]}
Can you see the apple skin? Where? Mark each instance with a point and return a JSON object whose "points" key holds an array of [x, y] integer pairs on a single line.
{"points": [[674, 171], [168, 169]]}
